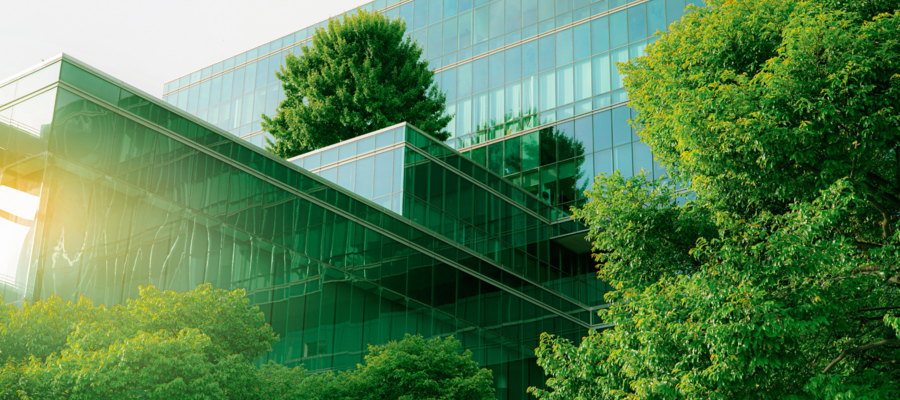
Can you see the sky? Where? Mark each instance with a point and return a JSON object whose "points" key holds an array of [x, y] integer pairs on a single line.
{"points": [[148, 43]]}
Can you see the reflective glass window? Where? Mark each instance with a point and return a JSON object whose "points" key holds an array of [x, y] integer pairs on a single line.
{"points": [[622, 160], [530, 95], [512, 156], [618, 29], [250, 75], [545, 9], [583, 84], [600, 73], [434, 41], [434, 11], [563, 47], [450, 39], [621, 131], [495, 71], [584, 133], [464, 80], [495, 158], [637, 22], [548, 90], [193, 98], [599, 35], [465, 30], [227, 84], [204, 94], [346, 151], [514, 101], [565, 85], [329, 156], [365, 177], [547, 53], [656, 16], [513, 63], [529, 58], [420, 19], [496, 24], [602, 130], [480, 74], [529, 12], [530, 151], [450, 8], [496, 105], [383, 170], [481, 24], [513, 15], [619, 55], [674, 10], [582, 41], [449, 83]]}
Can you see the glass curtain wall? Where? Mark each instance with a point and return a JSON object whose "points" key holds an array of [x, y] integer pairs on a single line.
{"points": [[117, 190]]}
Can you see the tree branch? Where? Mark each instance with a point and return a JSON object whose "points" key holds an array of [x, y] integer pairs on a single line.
{"points": [[859, 349]]}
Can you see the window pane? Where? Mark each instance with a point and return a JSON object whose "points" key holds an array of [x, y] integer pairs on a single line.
{"points": [[530, 151], [530, 95], [479, 75], [434, 41], [193, 98], [656, 16], [603, 162], [365, 177], [565, 85], [481, 24], [496, 70], [584, 133], [530, 58], [563, 47], [621, 132], [637, 23], [449, 83], [618, 32], [602, 130], [547, 56], [434, 11], [465, 30], [548, 90], [514, 101], [204, 95], [512, 156], [495, 158], [497, 109], [619, 55], [622, 159], [464, 116], [599, 35], [464, 80], [215, 90], [496, 24], [583, 87], [480, 111], [600, 73], [513, 15], [513, 64], [346, 175], [529, 12], [450, 39], [421, 15]]}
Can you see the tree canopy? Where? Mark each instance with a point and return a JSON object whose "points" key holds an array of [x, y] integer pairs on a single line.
{"points": [[197, 344], [412, 368], [778, 274], [360, 75]]}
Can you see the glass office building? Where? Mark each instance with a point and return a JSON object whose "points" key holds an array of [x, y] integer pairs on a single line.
{"points": [[104, 188], [520, 76]]}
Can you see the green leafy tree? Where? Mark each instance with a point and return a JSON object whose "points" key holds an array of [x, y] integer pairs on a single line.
{"points": [[358, 76], [197, 344], [779, 275], [412, 368]]}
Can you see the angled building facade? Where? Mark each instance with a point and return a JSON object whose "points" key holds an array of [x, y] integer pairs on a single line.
{"points": [[105, 189]]}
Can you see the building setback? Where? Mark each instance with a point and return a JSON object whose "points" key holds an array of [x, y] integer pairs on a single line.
{"points": [[104, 188]]}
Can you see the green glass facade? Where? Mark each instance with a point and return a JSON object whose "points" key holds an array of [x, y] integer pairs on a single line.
{"points": [[104, 188], [532, 84]]}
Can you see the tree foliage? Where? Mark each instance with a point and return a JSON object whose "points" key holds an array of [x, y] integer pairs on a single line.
{"points": [[197, 344], [358, 76], [412, 368], [779, 275]]}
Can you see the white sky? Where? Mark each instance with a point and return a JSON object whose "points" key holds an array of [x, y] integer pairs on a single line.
{"points": [[147, 43]]}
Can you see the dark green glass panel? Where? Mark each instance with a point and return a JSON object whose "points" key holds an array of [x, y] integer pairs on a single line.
{"points": [[89, 82]]}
